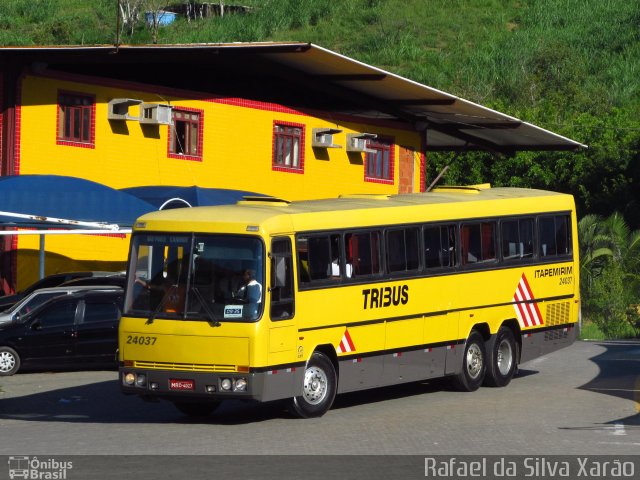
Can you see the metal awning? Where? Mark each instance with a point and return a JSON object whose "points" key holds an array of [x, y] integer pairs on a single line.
{"points": [[46, 201], [165, 197], [452, 123], [304, 76]]}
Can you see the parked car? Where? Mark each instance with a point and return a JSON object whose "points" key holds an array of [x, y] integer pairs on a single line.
{"points": [[37, 298], [77, 330], [117, 279], [49, 281]]}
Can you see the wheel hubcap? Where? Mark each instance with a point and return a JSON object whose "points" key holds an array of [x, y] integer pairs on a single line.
{"points": [[315, 385], [474, 361], [7, 362], [505, 357]]}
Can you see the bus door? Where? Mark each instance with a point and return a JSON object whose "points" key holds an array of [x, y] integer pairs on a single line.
{"points": [[283, 331]]}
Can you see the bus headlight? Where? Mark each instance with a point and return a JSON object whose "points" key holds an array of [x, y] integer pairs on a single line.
{"points": [[129, 378], [225, 384], [240, 385], [141, 380]]}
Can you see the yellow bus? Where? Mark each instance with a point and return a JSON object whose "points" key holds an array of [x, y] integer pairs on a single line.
{"points": [[267, 300]]}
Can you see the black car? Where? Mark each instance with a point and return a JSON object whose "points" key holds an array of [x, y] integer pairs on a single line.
{"points": [[49, 281], [116, 279], [79, 330]]}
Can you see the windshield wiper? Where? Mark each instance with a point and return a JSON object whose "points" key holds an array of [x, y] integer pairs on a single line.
{"points": [[162, 303], [205, 306]]}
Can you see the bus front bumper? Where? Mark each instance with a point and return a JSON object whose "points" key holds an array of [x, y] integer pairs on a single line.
{"points": [[260, 386]]}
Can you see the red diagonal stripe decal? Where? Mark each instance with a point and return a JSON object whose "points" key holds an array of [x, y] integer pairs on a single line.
{"points": [[346, 344], [526, 308]]}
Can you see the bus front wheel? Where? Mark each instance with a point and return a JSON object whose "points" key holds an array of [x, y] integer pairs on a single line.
{"points": [[474, 364], [318, 388], [196, 409], [501, 365]]}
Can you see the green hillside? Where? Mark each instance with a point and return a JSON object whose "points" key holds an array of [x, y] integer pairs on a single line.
{"points": [[571, 66]]}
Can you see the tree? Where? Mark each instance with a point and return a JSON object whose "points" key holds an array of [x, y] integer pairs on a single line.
{"points": [[129, 12], [154, 9], [610, 271], [595, 251]]}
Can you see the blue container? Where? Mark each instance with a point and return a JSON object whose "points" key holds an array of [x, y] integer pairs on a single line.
{"points": [[164, 18]]}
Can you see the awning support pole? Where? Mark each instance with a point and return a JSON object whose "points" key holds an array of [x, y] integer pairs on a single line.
{"points": [[444, 170], [41, 270]]}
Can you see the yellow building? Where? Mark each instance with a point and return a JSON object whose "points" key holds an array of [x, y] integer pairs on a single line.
{"points": [[290, 120]]}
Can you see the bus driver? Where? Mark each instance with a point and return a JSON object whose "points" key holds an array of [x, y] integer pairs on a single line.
{"points": [[250, 291]]}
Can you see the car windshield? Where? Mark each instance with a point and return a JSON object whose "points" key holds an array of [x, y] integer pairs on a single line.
{"points": [[209, 277]]}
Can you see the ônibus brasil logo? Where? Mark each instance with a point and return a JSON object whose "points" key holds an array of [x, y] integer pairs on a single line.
{"points": [[40, 469]]}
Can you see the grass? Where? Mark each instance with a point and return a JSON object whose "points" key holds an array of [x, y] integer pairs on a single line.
{"points": [[590, 331], [578, 54]]}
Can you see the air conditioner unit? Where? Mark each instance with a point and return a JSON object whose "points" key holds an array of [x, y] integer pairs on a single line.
{"points": [[155, 114], [119, 108], [323, 137], [359, 142]]}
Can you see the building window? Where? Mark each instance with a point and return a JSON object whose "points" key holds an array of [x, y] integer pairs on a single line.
{"points": [[185, 139], [76, 119], [288, 147], [380, 163]]}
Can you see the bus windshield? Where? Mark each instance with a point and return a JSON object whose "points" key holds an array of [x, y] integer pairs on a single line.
{"points": [[192, 276]]}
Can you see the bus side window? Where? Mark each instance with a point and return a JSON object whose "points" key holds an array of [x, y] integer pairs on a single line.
{"points": [[470, 239], [440, 246], [555, 235], [282, 299], [402, 250], [478, 242], [517, 238], [363, 252], [546, 227], [449, 245], [319, 258], [302, 248]]}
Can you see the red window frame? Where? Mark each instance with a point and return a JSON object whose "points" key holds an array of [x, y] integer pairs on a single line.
{"points": [[76, 119], [184, 128], [286, 137], [374, 164]]}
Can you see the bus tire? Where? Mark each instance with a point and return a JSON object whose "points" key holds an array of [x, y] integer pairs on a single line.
{"points": [[9, 361], [197, 409], [501, 362], [474, 364], [318, 389]]}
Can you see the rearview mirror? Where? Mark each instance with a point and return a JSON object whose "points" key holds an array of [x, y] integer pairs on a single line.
{"points": [[280, 272]]}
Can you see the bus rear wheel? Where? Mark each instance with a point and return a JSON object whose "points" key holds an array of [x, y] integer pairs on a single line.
{"points": [[501, 366], [318, 388], [199, 409], [474, 364]]}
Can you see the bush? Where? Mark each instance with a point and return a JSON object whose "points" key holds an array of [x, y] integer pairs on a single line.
{"points": [[608, 304]]}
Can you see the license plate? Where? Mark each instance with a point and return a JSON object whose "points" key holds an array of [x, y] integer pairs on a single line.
{"points": [[181, 384]]}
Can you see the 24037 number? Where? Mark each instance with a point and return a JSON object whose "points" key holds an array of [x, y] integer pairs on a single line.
{"points": [[141, 340]]}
